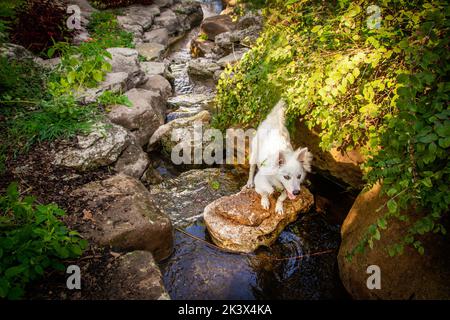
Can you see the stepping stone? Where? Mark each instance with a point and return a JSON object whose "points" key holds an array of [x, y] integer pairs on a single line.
{"points": [[151, 51]]}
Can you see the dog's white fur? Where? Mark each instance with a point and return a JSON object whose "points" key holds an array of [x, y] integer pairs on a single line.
{"points": [[279, 166]]}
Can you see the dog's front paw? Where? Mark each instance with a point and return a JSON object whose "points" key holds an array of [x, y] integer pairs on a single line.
{"points": [[265, 203], [250, 185], [279, 208]]}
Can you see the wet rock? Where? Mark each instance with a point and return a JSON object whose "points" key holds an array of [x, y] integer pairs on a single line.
{"points": [[345, 166], [231, 59], [160, 84], [151, 51], [406, 276], [184, 198], [125, 216], [202, 69], [101, 147], [190, 100], [144, 117], [160, 36], [167, 19], [134, 276], [151, 68], [239, 223], [126, 60], [133, 161], [171, 133], [215, 25]]}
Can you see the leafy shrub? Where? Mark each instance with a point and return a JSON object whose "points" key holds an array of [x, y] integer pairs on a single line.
{"points": [[106, 4], [39, 23], [383, 89], [32, 239], [106, 31]]}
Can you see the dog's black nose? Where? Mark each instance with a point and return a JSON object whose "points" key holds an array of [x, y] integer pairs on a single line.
{"points": [[296, 192]]}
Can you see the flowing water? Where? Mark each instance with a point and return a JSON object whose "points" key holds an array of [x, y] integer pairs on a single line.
{"points": [[301, 264]]}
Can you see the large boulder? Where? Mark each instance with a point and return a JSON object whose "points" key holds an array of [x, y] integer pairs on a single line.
{"points": [[225, 42], [215, 25], [184, 198], [133, 276], [201, 47], [101, 147], [126, 60], [344, 166], [231, 59], [239, 223], [115, 82], [122, 214], [144, 117], [406, 276], [137, 19]]}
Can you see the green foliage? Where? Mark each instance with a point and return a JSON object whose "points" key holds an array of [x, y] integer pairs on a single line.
{"points": [[32, 239], [383, 90], [105, 4], [109, 98], [106, 31]]}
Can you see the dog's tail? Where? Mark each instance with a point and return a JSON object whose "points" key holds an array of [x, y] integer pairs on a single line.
{"points": [[278, 112]]}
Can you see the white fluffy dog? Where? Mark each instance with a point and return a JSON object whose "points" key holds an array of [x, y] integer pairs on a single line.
{"points": [[280, 168]]}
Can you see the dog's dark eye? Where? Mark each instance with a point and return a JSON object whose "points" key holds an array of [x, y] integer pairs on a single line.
{"points": [[299, 177], [287, 177]]}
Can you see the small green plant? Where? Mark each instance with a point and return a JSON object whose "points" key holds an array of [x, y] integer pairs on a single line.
{"points": [[32, 239], [203, 37], [109, 98]]}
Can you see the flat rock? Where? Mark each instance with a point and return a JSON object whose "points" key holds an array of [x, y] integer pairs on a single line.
{"points": [[144, 117], [125, 216], [240, 224], [101, 147], [190, 100], [151, 50], [184, 198]]}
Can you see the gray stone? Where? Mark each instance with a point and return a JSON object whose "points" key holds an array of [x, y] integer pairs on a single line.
{"points": [[126, 60], [191, 100], [202, 69], [151, 51], [167, 19], [133, 161], [124, 216], [160, 84], [134, 276], [215, 25], [144, 117], [230, 59], [160, 36], [101, 147], [151, 68]]}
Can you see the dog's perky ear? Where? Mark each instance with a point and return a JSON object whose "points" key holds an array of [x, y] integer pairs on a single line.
{"points": [[305, 158], [281, 159]]}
